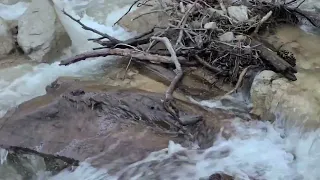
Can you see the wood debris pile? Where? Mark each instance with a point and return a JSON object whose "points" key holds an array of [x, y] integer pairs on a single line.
{"points": [[218, 35]]}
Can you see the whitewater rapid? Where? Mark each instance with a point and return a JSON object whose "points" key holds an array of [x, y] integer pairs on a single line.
{"points": [[257, 150], [24, 82]]}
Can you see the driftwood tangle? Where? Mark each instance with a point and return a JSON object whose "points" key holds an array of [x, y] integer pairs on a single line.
{"points": [[192, 37]]}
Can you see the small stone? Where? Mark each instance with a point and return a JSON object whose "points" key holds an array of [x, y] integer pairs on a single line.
{"points": [[227, 37], [238, 13], [210, 25], [240, 37]]}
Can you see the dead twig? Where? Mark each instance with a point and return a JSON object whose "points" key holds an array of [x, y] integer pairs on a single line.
{"points": [[239, 82], [150, 12], [112, 39], [207, 65], [168, 105], [134, 3], [125, 73], [263, 20], [179, 72], [183, 22]]}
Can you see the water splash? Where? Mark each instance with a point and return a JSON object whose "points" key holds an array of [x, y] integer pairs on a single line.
{"points": [[256, 150], [3, 156], [24, 82], [13, 12]]}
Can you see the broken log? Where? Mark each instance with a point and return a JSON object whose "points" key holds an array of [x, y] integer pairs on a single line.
{"points": [[274, 60]]}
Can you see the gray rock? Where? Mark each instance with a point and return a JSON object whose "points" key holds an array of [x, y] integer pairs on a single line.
{"points": [[6, 45], [41, 35], [238, 13], [227, 37]]}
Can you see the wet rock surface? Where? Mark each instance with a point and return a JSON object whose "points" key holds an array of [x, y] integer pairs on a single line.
{"points": [[118, 127]]}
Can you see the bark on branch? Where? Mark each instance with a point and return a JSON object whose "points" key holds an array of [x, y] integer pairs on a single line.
{"points": [[139, 55]]}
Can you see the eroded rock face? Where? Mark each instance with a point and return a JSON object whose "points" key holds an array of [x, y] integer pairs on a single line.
{"points": [[41, 35], [112, 129], [6, 40]]}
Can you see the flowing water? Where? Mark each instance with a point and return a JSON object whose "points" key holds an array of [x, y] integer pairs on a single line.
{"points": [[257, 150]]}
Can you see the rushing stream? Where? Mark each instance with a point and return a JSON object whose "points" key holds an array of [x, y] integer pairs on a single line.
{"points": [[258, 150]]}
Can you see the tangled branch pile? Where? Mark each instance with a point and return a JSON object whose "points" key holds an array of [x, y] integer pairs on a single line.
{"points": [[221, 36]]}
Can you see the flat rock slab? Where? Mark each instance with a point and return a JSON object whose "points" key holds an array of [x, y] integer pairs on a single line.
{"points": [[117, 127]]}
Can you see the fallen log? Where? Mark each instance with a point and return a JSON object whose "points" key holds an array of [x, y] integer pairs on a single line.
{"points": [[131, 53]]}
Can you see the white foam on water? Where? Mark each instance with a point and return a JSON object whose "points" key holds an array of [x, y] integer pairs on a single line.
{"points": [[257, 150], [13, 12], [3, 155], [79, 36], [83, 172]]}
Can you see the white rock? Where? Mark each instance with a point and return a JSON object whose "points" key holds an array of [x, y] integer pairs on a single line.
{"points": [[238, 13], [41, 35], [227, 37], [260, 89], [240, 37], [6, 39], [210, 25]]}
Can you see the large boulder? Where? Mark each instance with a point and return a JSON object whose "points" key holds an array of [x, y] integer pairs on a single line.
{"points": [[272, 94], [113, 129], [6, 39], [41, 35]]}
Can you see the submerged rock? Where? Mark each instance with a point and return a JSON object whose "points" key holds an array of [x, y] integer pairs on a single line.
{"points": [[41, 35]]}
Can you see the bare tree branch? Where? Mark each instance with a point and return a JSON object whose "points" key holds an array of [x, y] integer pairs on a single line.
{"points": [[112, 39], [139, 55]]}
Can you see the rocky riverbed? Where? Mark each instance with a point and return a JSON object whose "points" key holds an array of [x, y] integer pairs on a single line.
{"points": [[101, 120]]}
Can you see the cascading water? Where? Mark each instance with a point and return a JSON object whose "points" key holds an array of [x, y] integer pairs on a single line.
{"points": [[256, 150], [24, 82]]}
